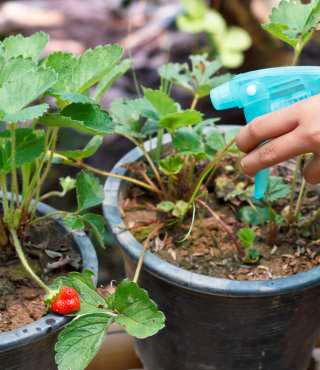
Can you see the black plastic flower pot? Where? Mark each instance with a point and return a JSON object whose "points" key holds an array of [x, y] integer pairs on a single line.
{"points": [[32, 346], [213, 323]]}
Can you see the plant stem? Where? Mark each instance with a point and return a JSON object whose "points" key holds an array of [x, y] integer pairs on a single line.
{"points": [[5, 202], [300, 199], [191, 225], [194, 101], [48, 215], [145, 247], [33, 186], [210, 166], [27, 198], [159, 145], [308, 222], [26, 171], [24, 261], [223, 226], [148, 159], [297, 53], [50, 194], [14, 179], [50, 146], [272, 225], [293, 189], [114, 175]]}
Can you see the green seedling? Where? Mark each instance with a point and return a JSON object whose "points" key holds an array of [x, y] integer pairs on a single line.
{"points": [[247, 239], [31, 128]]}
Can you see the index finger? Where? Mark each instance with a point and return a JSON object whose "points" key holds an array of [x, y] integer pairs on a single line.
{"points": [[269, 126], [276, 151]]}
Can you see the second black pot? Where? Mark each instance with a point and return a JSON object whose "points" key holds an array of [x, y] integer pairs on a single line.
{"points": [[219, 324], [32, 346]]}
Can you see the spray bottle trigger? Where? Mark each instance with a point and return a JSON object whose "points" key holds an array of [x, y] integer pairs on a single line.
{"points": [[261, 183]]}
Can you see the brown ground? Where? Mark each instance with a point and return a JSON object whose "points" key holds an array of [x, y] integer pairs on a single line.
{"points": [[50, 252], [209, 250]]}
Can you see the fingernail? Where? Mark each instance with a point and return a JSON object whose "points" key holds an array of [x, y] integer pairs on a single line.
{"points": [[243, 164], [247, 165]]}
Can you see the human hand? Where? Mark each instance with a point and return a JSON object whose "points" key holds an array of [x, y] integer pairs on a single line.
{"points": [[292, 131]]}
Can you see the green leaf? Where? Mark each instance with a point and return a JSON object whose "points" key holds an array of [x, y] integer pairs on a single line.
{"points": [[196, 8], [127, 114], [171, 165], [78, 74], [253, 256], [200, 18], [277, 189], [230, 135], [187, 141], [228, 43], [97, 225], [5, 156], [203, 74], [180, 209], [254, 216], [214, 139], [64, 65], [85, 276], [27, 47], [90, 149], [246, 237], [176, 73], [161, 102], [293, 21], [80, 341], [89, 191], [73, 222], [24, 84], [14, 69], [87, 118], [237, 39], [176, 120], [137, 313], [199, 79], [166, 206], [115, 73], [75, 98], [91, 115], [67, 183], [27, 114], [30, 145]]}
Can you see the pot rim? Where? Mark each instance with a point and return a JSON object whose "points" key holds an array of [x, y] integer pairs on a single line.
{"points": [[177, 275], [51, 323]]}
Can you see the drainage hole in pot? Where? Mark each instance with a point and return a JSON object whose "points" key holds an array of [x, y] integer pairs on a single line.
{"points": [[50, 321]]}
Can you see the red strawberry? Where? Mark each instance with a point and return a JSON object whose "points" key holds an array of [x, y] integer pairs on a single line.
{"points": [[65, 302]]}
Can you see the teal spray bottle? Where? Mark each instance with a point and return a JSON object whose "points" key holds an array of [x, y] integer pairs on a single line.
{"points": [[264, 91]]}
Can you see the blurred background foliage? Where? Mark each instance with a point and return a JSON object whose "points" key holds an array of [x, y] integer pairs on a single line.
{"points": [[153, 32]]}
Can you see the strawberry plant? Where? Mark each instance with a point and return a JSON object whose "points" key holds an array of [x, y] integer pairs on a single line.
{"points": [[198, 174], [129, 306], [226, 43], [193, 187], [39, 97]]}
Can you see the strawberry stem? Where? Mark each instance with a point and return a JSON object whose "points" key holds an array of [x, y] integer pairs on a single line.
{"points": [[25, 263]]}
